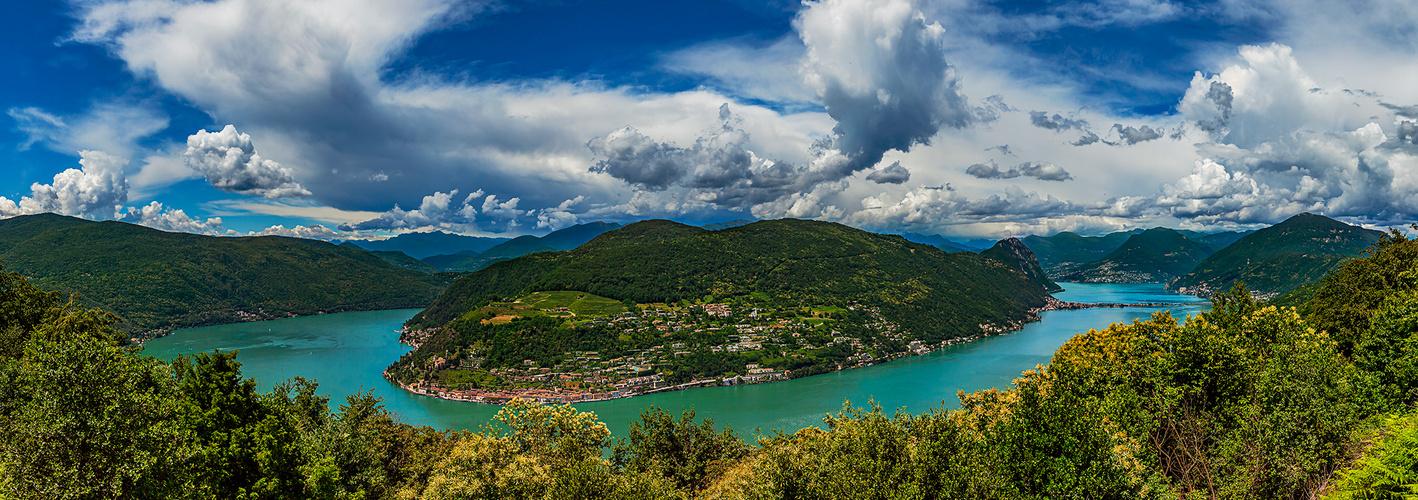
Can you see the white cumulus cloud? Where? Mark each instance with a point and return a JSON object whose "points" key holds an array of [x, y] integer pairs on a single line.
{"points": [[95, 189], [230, 162]]}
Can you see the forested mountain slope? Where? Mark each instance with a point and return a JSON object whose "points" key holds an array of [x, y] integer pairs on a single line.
{"points": [[156, 279], [935, 294]]}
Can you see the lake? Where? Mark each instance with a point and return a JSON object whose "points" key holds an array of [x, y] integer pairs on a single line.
{"points": [[347, 352]]}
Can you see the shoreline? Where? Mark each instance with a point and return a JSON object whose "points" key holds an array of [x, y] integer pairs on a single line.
{"points": [[140, 338], [568, 396]]}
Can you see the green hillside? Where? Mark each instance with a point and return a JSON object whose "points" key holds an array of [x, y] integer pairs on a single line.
{"points": [[927, 291], [1280, 258], [1015, 254], [1062, 252], [403, 260], [155, 279], [1152, 256]]}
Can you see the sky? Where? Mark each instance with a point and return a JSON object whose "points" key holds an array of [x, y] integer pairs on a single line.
{"points": [[362, 119]]}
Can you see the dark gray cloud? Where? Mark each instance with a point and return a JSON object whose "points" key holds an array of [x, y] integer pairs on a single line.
{"points": [[1130, 135], [886, 83], [1405, 134], [1056, 122], [718, 165], [1041, 171], [635, 158], [1086, 139], [893, 174], [1222, 98], [1404, 111], [1002, 148]]}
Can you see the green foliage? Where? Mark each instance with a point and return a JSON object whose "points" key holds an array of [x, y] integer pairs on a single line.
{"points": [[243, 448], [1241, 402], [1346, 299], [553, 431], [1389, 350], [1389, 469], [82, 417], [155, 279], [692, 455], [1245, 400], [401, 259], [1280, 258]]}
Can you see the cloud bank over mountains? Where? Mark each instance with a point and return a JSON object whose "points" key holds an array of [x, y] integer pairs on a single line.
{"points": [[886, 114]]}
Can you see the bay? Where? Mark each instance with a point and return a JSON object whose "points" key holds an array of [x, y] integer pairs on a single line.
{"points": [[347, 352]]}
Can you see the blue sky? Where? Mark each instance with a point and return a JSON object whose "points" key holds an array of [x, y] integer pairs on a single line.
{"points": [[339, 119]]}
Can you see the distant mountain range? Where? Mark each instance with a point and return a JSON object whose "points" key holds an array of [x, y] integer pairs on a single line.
{"points": [[933, 294], [423, 245], [562, 239], [1152, 256], [938, 241], [1060, 253], [1280, 258], [156, 279], [1270, 261]]}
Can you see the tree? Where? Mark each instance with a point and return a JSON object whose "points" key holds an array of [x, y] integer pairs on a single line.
{"points": [[80, 415], [690, 454], [243, 448]]}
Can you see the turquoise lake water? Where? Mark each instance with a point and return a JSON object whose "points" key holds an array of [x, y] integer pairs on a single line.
{"points": [[347, 352]]}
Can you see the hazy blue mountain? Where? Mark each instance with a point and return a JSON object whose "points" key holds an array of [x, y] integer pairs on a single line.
{"points": [[937, 241], [1216, 241], [562, 239], [421, 245], [715, 226]]}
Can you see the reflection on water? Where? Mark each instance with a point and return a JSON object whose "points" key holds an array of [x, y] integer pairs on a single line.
{"points": [[347, 352]]}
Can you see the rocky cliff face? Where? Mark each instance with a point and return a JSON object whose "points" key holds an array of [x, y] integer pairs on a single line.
{"points": [[1015, 254]]}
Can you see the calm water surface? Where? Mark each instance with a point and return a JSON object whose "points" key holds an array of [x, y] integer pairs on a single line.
{"points": [[347, 352]]}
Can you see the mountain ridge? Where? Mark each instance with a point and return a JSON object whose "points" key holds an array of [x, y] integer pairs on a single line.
{"points": [[1278, 259], [785, 260], [1152, 256], [156, 279]]}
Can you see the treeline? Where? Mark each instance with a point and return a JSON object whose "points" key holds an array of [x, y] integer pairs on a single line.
{"points": [[1245, 400]]}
